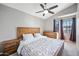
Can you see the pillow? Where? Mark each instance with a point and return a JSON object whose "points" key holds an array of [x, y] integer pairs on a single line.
{"points": [[37, 35], [28, 37], [22, 43]]}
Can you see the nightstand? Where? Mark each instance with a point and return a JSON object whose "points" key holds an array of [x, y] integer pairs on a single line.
{"points": [[50, 34], [9, 47]]}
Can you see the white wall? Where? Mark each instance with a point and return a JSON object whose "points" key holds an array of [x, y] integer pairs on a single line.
{"points": [[77, 27], [49, 22], [11, 18]]}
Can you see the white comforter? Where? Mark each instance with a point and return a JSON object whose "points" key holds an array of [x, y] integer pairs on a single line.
{"points": [[42, 47]]}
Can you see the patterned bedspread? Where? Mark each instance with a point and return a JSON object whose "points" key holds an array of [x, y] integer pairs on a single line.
{"points": [[41, 47]]}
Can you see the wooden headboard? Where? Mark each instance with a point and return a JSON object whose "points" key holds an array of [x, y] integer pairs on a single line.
{"points": [[23, 30]]}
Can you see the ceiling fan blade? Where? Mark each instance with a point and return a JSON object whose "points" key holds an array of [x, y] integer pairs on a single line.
{"points": [[51, 12], [53, 7], [40, 11], [42, 6], [44, 14]]}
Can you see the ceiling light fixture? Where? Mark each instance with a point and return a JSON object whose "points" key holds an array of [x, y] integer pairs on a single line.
{"points": [[46, 11]]}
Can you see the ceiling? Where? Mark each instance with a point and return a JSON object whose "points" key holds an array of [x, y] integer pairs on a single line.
{"points": [[31, 8]]}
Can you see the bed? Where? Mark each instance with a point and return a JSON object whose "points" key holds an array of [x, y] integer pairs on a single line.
{"points": [[42, 46]]}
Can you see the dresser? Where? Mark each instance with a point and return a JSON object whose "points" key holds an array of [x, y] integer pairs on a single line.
{"points": [[10, 46], [50, 34]]}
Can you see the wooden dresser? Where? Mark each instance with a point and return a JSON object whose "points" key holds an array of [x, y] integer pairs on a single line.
{"points": [[10, 46], [50, 34]]}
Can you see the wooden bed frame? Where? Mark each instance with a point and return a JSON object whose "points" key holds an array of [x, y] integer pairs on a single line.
{"points": [[23, 30]]}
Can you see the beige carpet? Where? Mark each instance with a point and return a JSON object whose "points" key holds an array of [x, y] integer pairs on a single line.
{"points": [[70, 49]]}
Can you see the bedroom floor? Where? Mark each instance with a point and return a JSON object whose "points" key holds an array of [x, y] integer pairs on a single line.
{"points": [[70, 49]]}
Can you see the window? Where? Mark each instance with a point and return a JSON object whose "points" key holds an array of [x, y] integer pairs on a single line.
{"points": [[67, 25], [57, 25]]}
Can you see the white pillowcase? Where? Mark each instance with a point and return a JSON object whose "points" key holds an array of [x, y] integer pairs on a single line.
{"points": [[37, 35], [22, 43], [28, 38]]}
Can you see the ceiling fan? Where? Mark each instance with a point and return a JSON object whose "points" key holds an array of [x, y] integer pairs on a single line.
{"points": [[46, 10]]}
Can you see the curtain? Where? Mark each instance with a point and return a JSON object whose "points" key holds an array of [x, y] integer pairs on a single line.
{"points": [[73, 30], [61, 29], [54, 30]]}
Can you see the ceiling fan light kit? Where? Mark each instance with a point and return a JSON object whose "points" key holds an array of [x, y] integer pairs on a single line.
{"points": [[46, 11]]}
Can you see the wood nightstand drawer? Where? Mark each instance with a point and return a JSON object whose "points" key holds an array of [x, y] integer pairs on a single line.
{"points": [[10, 48], [10, 51], [9, 45]]}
